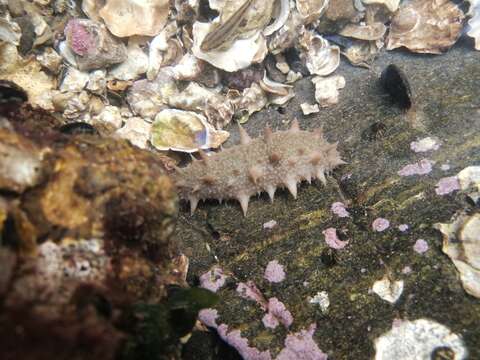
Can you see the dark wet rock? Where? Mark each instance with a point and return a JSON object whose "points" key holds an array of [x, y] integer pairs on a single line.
{"points": [[395, 83]]}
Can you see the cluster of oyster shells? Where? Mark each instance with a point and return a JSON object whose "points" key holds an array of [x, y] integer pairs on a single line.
{"points": [[127, 71]]}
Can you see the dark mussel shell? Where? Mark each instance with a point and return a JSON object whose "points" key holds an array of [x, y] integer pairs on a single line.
{"points": [[395, 83], [78, 128]]}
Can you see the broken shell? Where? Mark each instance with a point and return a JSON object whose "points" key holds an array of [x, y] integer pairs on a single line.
{"points": [[158, 47], [241, 54], [391, 5], [469, 178], [426, 26], [312, 10], [110, 118], [474, 23], [285, 37], [135, 65], [97, 83], [50, 60], [184, 131], [395, 83], [74, 80], [308, 109], [132, 17], [388, 290], [418, 340], [322, 58], [461, 242], [10, 32], [136, 130], [93, 47], [276, 88], [373, 31], [326, 89], [251, 100], [281, 13]]}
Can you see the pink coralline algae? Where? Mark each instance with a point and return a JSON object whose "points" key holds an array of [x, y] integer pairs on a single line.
{"points": [[332, 239], [300, 346], [426, 144], [269, 225], [421, 246], [233, 338], [403, 227], [380, 224], [213, 279], [250, 291], [274, 272], [422, 167], [338, 208], [81, 41], [447, 185], [277, 313]]}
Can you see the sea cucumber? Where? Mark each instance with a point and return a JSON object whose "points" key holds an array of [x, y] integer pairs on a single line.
{"points": [[276, 159]]}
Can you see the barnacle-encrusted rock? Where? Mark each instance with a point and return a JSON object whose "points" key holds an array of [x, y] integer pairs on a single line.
{"points": [[426, 26], [89, 236], [279, 159], [92, 46]]}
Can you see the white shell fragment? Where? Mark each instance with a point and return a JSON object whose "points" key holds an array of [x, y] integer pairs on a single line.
{"points": [[241, 54], [308, 109], [388, 290], [322, 58], [283, 11], [326, 89], [461, 242], [417, 340], [10, 31], [136, 130], [474, 23], [184, 131], [374, 31], [469, 178], [321, 299], [135, 17], [312, 10], [135, 65], [74, 80], [391, 5]]}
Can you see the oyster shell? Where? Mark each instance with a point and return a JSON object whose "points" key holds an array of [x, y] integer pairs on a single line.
{"points": [[133, 17], [373, 31], [321, 58], [461, 242], [426, 26], [391, 5], [281, 13], [137, 131], [312, 10], [184, 131], [241, 54], [10, 32]]}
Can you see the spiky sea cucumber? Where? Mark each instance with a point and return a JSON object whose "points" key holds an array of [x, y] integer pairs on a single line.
{"points": [[277, 159]]}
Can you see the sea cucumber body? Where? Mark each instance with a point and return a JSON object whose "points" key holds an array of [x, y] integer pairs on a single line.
{"points": [[280, 159]]}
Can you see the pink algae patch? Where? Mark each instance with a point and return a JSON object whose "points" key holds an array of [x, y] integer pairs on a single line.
{"points": [[421, 167], [426, 144], [380, 224], [403, 227], [338, 208], [332, 239], [277, 313], [300, 346], [213, 280], [80, 40], [421, 246], [233, 338], [447, 185], [274, 272]]}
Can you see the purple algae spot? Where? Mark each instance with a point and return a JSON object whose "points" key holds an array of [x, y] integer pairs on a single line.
{"points": [[213, 279], [332, 239], [380, 224], [338, 208], [421, 167], [300, 346], [447, 185], [421, 246], [79, 38], [274, 272], [278, 310]]}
